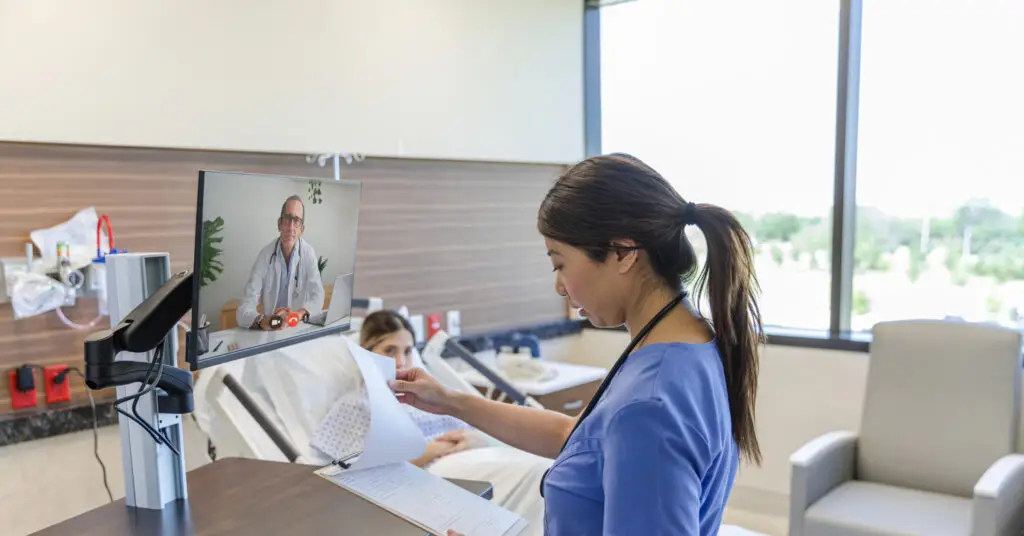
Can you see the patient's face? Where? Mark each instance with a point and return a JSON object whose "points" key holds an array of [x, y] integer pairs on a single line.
{"points": [[397, 346]]}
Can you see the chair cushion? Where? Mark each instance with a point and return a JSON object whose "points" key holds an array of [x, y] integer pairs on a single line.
{"points": [[942, 404], [865, 508]]}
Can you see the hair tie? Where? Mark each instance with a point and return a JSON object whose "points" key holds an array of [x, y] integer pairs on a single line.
{"points": [[689, 216]]}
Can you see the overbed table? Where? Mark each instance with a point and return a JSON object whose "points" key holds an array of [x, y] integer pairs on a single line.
{"points": [[251, 497]]}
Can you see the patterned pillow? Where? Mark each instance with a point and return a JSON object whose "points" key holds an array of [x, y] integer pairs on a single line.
{"points": [[343, 430]]}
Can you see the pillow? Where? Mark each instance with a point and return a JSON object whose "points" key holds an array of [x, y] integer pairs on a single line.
{"points": [[302, 381], [343, 432]]}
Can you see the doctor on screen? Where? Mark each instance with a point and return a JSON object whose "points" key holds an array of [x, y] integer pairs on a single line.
{"points": [[285, 277]]}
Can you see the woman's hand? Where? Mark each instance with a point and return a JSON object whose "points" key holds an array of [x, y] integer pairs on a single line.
{"points": [[420, 390], [453, 533], [464, 440], [437, 448]]}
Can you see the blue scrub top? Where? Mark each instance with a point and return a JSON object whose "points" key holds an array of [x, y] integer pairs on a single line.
{"points": [[656, 455]]}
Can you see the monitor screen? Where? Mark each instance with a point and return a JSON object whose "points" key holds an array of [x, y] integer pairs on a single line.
{"points": [[275, 261]]}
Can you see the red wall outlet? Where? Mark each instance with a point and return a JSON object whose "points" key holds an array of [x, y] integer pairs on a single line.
{"points": [[20, 399], [433, 325], [56, 392]]}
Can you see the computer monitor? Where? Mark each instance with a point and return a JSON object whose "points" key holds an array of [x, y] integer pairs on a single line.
{"points": [[274, 263]]}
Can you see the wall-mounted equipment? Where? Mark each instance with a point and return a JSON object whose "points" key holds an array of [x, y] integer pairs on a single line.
{"points": [[97, 282], [64, 271]]}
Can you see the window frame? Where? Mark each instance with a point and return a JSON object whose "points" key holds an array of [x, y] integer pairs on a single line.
{"points": [[839, 335]]}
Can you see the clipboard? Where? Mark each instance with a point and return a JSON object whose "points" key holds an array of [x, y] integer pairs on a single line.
{"points": [[381, 475], [425, 500]]}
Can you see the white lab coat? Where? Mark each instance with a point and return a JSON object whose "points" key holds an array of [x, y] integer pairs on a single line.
{"points": [[265, 278]]}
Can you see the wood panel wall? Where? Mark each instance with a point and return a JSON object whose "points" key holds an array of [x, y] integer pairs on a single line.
{"points": [[433, 235]]}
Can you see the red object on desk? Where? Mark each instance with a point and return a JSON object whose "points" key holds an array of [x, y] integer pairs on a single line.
{"points": [[293, 320], [20, 399], [433, 324], [56, 392]]}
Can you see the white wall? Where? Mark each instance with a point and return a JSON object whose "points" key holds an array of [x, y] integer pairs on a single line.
{"points": [[250, 206], [459, 79], [802, 393]]}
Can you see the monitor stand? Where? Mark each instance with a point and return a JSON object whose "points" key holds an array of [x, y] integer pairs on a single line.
{"points": [[154, 476]]}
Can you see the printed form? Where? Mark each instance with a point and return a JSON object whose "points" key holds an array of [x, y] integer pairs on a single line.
{"points": [[428, 500]]}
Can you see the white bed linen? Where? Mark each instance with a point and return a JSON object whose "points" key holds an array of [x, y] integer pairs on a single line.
{"points": [[302, 383], [343, 431]]}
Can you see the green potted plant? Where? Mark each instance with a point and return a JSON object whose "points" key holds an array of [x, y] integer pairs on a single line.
{"points": [[211, 267], [321, 264], [314, 192]]}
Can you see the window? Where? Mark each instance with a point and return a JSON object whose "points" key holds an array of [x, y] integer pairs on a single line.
{"points": [[734, 102], [940, 168]]}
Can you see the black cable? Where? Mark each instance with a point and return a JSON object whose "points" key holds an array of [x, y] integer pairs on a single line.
{"points": [[146, 387], [95, 431], [62, 377], [142, 424], [149, 372], [158, 435], [157, 358]]}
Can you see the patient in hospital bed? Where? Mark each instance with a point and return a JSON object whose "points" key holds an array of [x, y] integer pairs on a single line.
{"points": [[315, 396], [454, 449], [341, 433]]}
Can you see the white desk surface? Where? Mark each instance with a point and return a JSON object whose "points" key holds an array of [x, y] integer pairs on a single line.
{"points": [[568, 376], [226, 340]]}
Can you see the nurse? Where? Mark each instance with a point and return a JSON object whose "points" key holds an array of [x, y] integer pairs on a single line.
{"points": [[285, 277], [657, 449]]}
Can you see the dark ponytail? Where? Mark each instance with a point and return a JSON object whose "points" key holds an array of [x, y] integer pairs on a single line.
{"points": [[615, 197], [731, 286]]}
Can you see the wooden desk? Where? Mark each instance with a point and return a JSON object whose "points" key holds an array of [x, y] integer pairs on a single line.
{"points": [[227, 313], [251, 497]]}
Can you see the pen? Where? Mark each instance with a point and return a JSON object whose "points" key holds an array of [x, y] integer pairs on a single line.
{"points": [[215, 348], [341, 461]]}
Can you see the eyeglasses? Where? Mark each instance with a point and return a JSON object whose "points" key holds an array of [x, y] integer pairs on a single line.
{"points": [[288, 219]]}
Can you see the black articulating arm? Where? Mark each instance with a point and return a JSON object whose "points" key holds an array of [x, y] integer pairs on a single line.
{"points": [[141, 331]]}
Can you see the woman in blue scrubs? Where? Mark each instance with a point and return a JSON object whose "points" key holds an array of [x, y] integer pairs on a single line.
{"points": [[657, 449]]}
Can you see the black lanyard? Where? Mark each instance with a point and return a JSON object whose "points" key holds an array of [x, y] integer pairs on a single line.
{"points": [[615, 369]]}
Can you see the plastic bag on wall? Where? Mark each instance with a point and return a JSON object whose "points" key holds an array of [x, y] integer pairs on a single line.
{"points": [[34, 294]]}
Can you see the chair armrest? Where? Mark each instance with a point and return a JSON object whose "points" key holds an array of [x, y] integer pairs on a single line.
{"points": [[999, 498], [815, 469]]}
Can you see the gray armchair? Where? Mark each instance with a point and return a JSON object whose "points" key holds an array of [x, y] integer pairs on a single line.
{"points": [[936, 450]]}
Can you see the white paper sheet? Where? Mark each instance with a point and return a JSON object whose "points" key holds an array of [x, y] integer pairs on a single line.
{"points": [[393, 436], [428, 500]]}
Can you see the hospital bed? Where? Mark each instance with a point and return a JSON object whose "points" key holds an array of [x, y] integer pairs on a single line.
{"points": [[232, 409], [268, 407]]}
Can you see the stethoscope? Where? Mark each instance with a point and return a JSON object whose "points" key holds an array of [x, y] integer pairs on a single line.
{"points": [[298, 261], [640, 336]]}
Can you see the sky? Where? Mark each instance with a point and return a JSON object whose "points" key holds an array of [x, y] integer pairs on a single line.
{"points": [[733, 101]]}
